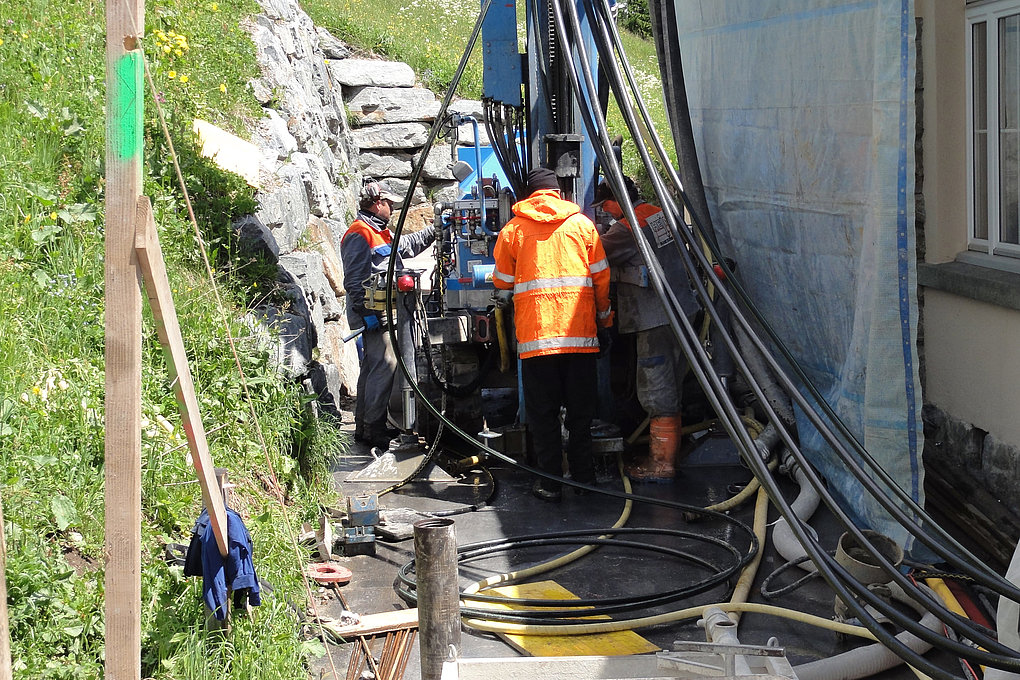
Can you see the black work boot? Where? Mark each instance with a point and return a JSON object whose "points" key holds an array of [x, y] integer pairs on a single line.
{"points": [[539, 490]]}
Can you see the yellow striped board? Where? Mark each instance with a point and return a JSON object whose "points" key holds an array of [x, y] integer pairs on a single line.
{"points": [[598, 644]]}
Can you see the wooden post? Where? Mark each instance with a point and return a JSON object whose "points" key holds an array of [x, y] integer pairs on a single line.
{"points": [[5, 628], [157, 288], [125, 20]]}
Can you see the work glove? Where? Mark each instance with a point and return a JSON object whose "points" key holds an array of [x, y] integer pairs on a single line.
{"points": [[371, 322], [502, 298], [605, 341]]}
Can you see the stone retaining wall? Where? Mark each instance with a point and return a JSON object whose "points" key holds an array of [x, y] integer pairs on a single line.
{"points": [[331, 121]]}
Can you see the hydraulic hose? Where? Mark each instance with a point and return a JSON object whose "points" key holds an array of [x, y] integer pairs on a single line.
{"points": [[544, 611], [743, 587], [581, 627], [708, 236], [522, 574], [837, 576], [971, 631]]}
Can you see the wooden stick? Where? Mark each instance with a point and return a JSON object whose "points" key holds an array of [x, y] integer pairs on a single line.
{"points": [[354, 663], [370, 657], [125, 21], [5, 629], [411, 633], [157, 287]]}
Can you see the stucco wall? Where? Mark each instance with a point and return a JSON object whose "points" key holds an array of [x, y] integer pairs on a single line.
{"points": [[971, 348], [945, 127], [973, 359]]}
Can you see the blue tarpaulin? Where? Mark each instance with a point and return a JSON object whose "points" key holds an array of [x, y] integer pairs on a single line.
{"points": [[803, 115]]}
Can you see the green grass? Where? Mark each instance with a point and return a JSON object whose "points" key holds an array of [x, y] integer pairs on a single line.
{"points": [[52, 97], [428, 35]]}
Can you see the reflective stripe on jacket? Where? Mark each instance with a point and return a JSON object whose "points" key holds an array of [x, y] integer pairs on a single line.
{"points": [[365, 249], [550, 255]]}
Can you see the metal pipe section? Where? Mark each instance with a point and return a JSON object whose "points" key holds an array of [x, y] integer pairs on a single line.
{"points": [[435, 556]]}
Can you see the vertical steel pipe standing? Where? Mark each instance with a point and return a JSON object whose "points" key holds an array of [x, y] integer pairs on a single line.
{"points": [[435, 558]]}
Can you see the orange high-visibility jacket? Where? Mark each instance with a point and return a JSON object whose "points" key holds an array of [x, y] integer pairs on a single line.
{"points": [[642, 211], [550, 255]]}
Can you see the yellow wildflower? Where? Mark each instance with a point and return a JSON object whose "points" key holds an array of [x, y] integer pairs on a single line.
{"points": [[178, 52], [53, 215], [172, 74], [166, 49], [214, 7], [184, 79], [223, 87], [28, 218], [1, 41]]}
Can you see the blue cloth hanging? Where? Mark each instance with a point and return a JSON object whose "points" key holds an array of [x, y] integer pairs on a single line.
{"points": [[235, 572]]}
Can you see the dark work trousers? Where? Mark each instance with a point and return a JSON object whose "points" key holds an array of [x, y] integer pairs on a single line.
{"points": [[552, 381], [375, 382]]}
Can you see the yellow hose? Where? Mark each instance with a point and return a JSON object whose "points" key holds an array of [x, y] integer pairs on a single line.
{"points": [[669, 617], [504, 345], [508, 577], [743, 587], [952, 604]]}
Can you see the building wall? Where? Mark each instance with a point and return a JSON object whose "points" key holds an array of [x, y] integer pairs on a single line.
{"points": [[945, 130], [973, 357], [971, 314]]}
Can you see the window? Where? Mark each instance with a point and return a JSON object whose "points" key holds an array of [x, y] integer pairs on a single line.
{"points": [[993, 122]]}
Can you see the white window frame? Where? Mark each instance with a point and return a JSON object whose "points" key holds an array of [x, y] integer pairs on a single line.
{"points": [[988, 13]]}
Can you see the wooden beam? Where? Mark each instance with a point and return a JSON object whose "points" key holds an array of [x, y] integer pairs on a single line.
{"points": [[373, 624], [5, 628], [125, 20], [157, 288]]}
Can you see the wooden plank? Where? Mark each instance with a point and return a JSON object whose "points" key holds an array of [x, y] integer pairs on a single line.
{"points": [[372, 624], [157, 288], [125, 23], [5, 628], [598, 644]]}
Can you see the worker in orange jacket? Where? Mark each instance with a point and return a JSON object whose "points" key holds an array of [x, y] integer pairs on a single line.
{"points": [[550, 256], [365, 250], [661, 364]]}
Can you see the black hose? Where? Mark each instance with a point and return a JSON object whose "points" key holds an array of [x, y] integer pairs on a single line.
{"points": [[789, 588], [706, 267], [586, 537], [833, 572]]}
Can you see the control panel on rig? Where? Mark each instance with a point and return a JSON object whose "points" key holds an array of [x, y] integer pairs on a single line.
{"points": [[467, 233]]}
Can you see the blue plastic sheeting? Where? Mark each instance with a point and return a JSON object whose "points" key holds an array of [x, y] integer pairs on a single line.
{"points": [[803, 114]]}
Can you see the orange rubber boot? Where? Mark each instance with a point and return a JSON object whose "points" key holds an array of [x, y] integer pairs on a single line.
{"points": [[663, 445]]}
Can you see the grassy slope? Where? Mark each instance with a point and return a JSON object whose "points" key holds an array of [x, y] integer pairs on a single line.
{"points": [[51, 347], [51, 320]]}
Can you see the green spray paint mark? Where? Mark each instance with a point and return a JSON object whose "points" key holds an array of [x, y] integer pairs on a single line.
{"points": [[125, 123]]}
